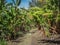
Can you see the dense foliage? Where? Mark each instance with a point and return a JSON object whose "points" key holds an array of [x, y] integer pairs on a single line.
{"points": [[15, 21]]}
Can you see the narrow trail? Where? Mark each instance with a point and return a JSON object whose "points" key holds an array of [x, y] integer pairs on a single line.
{"points": [[25, 40], [33, 38]]}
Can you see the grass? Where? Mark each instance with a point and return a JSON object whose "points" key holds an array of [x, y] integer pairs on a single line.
{"points": [[3, 42]]}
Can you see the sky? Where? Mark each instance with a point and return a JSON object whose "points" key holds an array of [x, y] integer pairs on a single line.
{"points": [[24, 3]]}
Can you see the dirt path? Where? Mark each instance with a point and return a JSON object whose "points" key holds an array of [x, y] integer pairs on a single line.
{"points": [[25, 40], [33, 38]]}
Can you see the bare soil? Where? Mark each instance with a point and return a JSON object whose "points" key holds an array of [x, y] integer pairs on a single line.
{"points": [[35, 37]]}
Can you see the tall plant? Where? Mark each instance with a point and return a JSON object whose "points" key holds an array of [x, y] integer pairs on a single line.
{"points": [[39, 19]]}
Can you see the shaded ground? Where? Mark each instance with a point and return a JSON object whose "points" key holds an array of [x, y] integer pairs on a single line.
{"points": [[35, 37]]}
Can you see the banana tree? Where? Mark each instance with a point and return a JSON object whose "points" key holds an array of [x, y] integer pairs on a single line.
{"points": [[2, 4], [38, 3], [39, 19], [16, 3]]}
